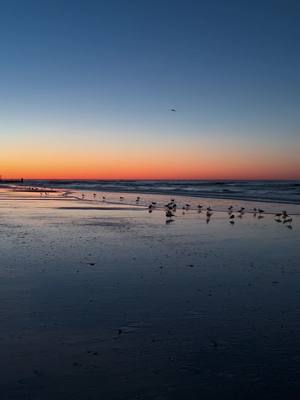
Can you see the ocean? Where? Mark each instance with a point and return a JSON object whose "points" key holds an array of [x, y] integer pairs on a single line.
{"points": [[272, 191]]}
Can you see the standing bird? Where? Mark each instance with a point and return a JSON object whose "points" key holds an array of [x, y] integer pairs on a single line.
{"points": [[169, 214]]}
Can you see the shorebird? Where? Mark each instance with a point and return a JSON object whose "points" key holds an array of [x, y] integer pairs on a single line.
{"points": [[287, 220], [173, 109], [103, 198], [230, 208], [169, 214], [150, 208], [231, 216], [94, 195], [82, 196], [209, 209], [260, 211], [231, 221]]}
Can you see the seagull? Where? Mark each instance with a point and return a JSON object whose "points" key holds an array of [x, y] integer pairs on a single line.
{"points": [[288, 220], [169, 214]]}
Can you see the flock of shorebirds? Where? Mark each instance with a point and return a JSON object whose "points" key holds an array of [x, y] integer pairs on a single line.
{"points": [[171, 208]]}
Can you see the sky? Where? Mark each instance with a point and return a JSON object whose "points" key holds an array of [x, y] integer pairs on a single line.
{"points": [[87, 88]]}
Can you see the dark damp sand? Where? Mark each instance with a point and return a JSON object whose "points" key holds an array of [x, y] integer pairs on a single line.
{"points": [[116, 304]]}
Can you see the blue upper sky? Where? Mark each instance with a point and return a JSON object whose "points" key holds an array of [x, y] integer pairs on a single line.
{"points": [[114, 69]]}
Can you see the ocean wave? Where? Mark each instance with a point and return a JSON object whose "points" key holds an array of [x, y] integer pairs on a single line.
{"points": [[285, 191]]}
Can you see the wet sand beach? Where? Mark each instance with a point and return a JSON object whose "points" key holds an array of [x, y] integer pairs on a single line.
{"points": [[104, 300]]}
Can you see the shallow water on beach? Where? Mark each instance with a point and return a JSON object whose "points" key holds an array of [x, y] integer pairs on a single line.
{"points": [[117, 304]]}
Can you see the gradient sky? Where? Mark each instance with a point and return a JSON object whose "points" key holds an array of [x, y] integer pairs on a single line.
{"points": [[87, 88]]}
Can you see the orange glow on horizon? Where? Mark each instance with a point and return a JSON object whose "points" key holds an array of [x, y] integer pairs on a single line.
{"points": [[147, 169], [145, 162]]}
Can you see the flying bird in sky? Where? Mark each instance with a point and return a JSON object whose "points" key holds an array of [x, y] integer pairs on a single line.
{"points": [[173, 109]]}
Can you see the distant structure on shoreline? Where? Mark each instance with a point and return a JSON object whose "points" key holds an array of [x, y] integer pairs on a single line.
{"points": [[21, 180]]}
